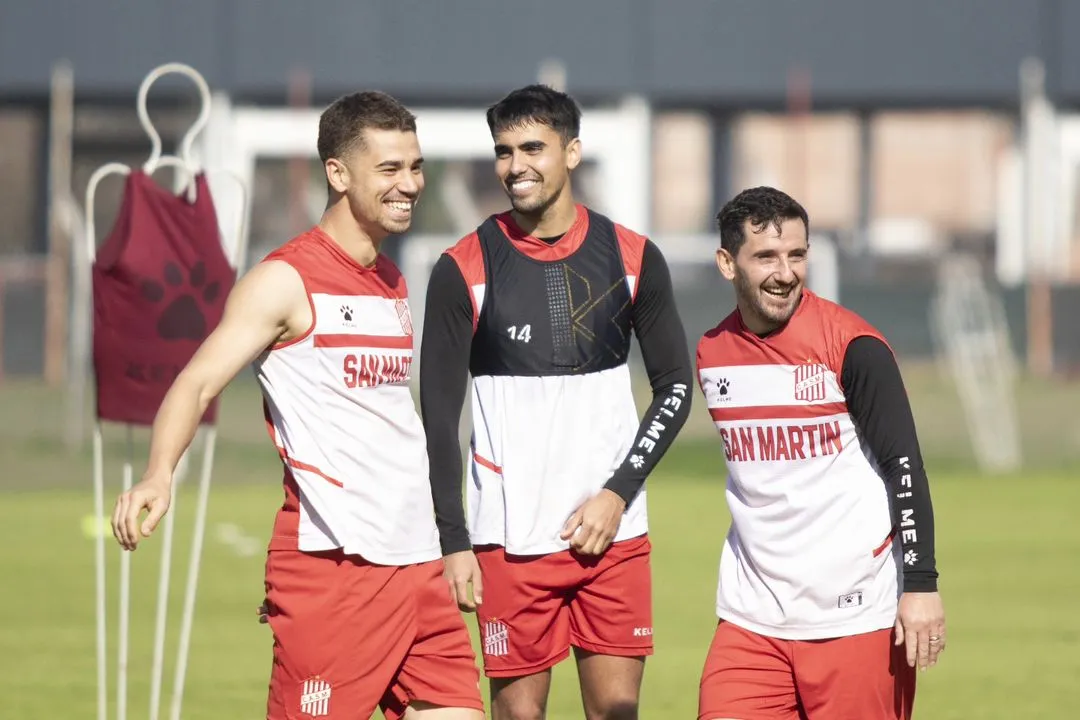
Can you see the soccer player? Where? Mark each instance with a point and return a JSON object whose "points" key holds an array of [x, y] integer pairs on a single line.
{"points": [[827, 599], [539, 305], [355, 593]]}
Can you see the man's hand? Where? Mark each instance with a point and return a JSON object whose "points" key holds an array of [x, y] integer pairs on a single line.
{"points": [[461, 570], [920, 624], [152, 495], [592, 527], [264, 612]]}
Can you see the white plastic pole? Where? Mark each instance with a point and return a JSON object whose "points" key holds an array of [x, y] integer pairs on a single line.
{"points": [[99, 572], [125, 598], [193, 572]]}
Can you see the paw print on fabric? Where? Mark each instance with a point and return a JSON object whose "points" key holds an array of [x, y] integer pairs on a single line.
{"points": [[346, 313], [182, 317], [911, 557], [637, 461], [722, 386]]}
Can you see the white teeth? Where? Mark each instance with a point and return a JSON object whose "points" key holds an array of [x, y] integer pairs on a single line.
{"points": [[523, 184], [402, 206]]}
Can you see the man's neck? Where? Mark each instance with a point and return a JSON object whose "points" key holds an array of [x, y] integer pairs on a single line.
{"points": [[553, 220], [338, 222]]}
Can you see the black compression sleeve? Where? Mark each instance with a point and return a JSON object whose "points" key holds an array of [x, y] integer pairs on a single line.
{"points": [[444, 380], [878, 404], [667, 361]]}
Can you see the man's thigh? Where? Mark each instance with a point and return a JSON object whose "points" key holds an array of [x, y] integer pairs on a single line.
{"points": [[524, 623], [440, 667], [611, 611], [747, 676], [340, 634], [863, 677]]}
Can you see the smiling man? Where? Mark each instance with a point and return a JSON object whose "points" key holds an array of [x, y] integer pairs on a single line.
{"points": [[539, 305], [354, 588], [828, 568]]}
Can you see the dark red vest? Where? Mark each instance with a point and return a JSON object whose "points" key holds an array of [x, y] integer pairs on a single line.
{"points": [[160, 281]]}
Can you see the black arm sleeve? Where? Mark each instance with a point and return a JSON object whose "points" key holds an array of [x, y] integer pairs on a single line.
{"points": [[667, 361], [878, 404], [444, 379]]}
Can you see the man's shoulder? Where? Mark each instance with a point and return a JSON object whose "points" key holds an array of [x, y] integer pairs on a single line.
{"points": [[622, 232], [724, 331], [844, 321], [469, 257]]}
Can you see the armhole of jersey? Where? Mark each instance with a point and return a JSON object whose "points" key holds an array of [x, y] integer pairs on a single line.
{"points": [[632, 249], [852, 337], [469, 258], [109, 252], [311, 304]]}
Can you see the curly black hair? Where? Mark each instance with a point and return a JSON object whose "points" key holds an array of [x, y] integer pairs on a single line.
{"points": [[762, 206]]}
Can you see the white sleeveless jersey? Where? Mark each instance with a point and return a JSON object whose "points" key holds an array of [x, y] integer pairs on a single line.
{"points": [[339, 410], [809, 554]]}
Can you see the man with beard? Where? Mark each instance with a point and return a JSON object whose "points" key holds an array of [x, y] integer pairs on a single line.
{"points": [[827, 600], [539, 305], [354, 587]]}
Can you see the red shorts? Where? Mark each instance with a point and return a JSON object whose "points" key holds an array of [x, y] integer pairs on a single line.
{"points": [[350, 636], [752, 677], [536, 607]]}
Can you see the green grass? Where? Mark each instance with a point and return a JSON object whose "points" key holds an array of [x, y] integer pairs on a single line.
{"points": [[1008, 550], [1007, 547]]}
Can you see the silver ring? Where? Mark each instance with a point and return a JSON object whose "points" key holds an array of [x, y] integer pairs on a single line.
{"points": [[934, 638]]}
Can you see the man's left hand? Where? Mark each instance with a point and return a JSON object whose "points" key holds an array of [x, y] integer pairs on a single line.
{"points": [[592, 527], [920, 625]]}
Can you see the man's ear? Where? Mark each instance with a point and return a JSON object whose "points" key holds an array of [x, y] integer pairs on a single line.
{"points": [[725, 263], [573, 154], [337, 175]]}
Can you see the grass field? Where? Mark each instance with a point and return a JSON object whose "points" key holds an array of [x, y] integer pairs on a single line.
{"points": [[1008, 550]]}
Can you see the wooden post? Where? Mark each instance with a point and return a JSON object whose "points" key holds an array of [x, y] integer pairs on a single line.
{"points": [[798, 131], [61, 110], [299, 96]]}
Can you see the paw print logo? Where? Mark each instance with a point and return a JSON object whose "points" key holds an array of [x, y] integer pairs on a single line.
{"points": [[637, 461], [346, 313], [182, 317], [911, 557], [722, 386]]}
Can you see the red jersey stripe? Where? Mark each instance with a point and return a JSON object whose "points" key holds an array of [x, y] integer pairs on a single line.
{"points": [[776, 412], [393, 342]]}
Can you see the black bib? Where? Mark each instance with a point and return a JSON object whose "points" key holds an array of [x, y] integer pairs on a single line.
{"points": [[563, 317]]}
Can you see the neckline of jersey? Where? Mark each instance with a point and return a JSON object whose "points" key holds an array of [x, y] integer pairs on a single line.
{"points": [[339, 251], [535, 248]]}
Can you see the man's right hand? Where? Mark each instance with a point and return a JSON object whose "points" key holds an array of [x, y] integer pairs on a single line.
{"points": [[462, 569], [153, 495]]}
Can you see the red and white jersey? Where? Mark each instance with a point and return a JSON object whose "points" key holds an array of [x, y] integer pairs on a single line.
{"points": [[809, 554], [339, 410]]}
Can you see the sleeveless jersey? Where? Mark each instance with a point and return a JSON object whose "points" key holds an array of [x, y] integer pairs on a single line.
{"points": [[159, 283], [552, 408], [340, 412], [809, 553]]}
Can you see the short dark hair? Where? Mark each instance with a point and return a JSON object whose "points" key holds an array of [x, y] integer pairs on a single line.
{"points": [[762, 206], [341, 125], [536, 104]]}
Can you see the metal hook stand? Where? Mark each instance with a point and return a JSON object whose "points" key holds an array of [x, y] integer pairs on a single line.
{"points": [[187, 164]]}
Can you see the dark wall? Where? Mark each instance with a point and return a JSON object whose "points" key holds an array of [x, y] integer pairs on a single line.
{"points": [[726, 52]]}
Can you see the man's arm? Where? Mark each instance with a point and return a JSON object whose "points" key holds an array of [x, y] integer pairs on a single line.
{"points": [[667, 361], [258, 312], [444, 379], [878, 404]]}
